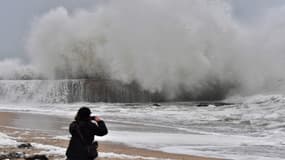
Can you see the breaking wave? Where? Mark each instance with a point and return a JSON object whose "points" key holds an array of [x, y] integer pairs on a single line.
{"points": [[196, 47]]}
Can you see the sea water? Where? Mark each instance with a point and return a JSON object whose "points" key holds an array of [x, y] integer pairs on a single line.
{"points": [[250, 128]]}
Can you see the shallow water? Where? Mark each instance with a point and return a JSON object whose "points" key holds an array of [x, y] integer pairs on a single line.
{"points": [[252, 128]]}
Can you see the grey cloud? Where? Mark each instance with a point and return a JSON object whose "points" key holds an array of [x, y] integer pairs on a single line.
{"points": [[16, 17]]}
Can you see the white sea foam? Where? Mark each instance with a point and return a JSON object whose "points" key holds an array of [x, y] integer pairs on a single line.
{"points": [[6, 140], [65, 137], [49, 149], [124, 156], [253, 127], [54, 150]]}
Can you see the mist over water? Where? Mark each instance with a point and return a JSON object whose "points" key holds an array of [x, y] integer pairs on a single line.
{"points": [[11, 69], [195, 46]]}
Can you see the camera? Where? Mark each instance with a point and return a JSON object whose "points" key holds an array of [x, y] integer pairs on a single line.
{"points": [[93, 117]]}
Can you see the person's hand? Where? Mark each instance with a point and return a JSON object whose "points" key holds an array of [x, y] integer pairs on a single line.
{"points": [[97, 119]]}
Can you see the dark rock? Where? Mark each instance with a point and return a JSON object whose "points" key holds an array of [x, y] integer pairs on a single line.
{"points": [[16, 155], [25, 146], [37, 157], [156, 104], [12, 155], [229, 119], [206, 104], [245, 122], [3, 157]]}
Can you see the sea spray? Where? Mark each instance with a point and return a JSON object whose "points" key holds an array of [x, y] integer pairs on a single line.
{"points": [[162, 45], [195, 47], [11, 69], [41, 91]]}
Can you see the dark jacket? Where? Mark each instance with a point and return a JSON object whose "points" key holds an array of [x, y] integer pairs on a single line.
{"points": [[88, 129]]}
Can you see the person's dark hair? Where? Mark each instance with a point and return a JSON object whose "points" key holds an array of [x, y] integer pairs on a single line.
{"points": [[83, 114]]}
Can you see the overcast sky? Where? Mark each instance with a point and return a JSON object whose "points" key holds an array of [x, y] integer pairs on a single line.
{"points": [[16, 17], [248, 10]]}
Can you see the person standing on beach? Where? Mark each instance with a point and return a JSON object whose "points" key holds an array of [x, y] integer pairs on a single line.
{"points": [[83, 130]]}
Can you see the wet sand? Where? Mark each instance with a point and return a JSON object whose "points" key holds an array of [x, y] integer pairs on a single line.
{"points": [[36, 128]]}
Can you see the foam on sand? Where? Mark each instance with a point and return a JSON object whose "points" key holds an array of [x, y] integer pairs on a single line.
{"points": [[6, 140]]}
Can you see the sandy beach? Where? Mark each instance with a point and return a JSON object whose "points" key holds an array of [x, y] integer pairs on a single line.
{"points": [[15, 125]]}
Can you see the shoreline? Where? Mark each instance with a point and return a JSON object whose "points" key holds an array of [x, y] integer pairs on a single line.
{"points": [[10, 124]]}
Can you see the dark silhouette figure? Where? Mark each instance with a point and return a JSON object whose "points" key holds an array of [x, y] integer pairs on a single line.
{"points": [[85, 127]]}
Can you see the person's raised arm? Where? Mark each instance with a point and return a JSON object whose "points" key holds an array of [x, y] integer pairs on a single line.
{"points": [[100, 129]]}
